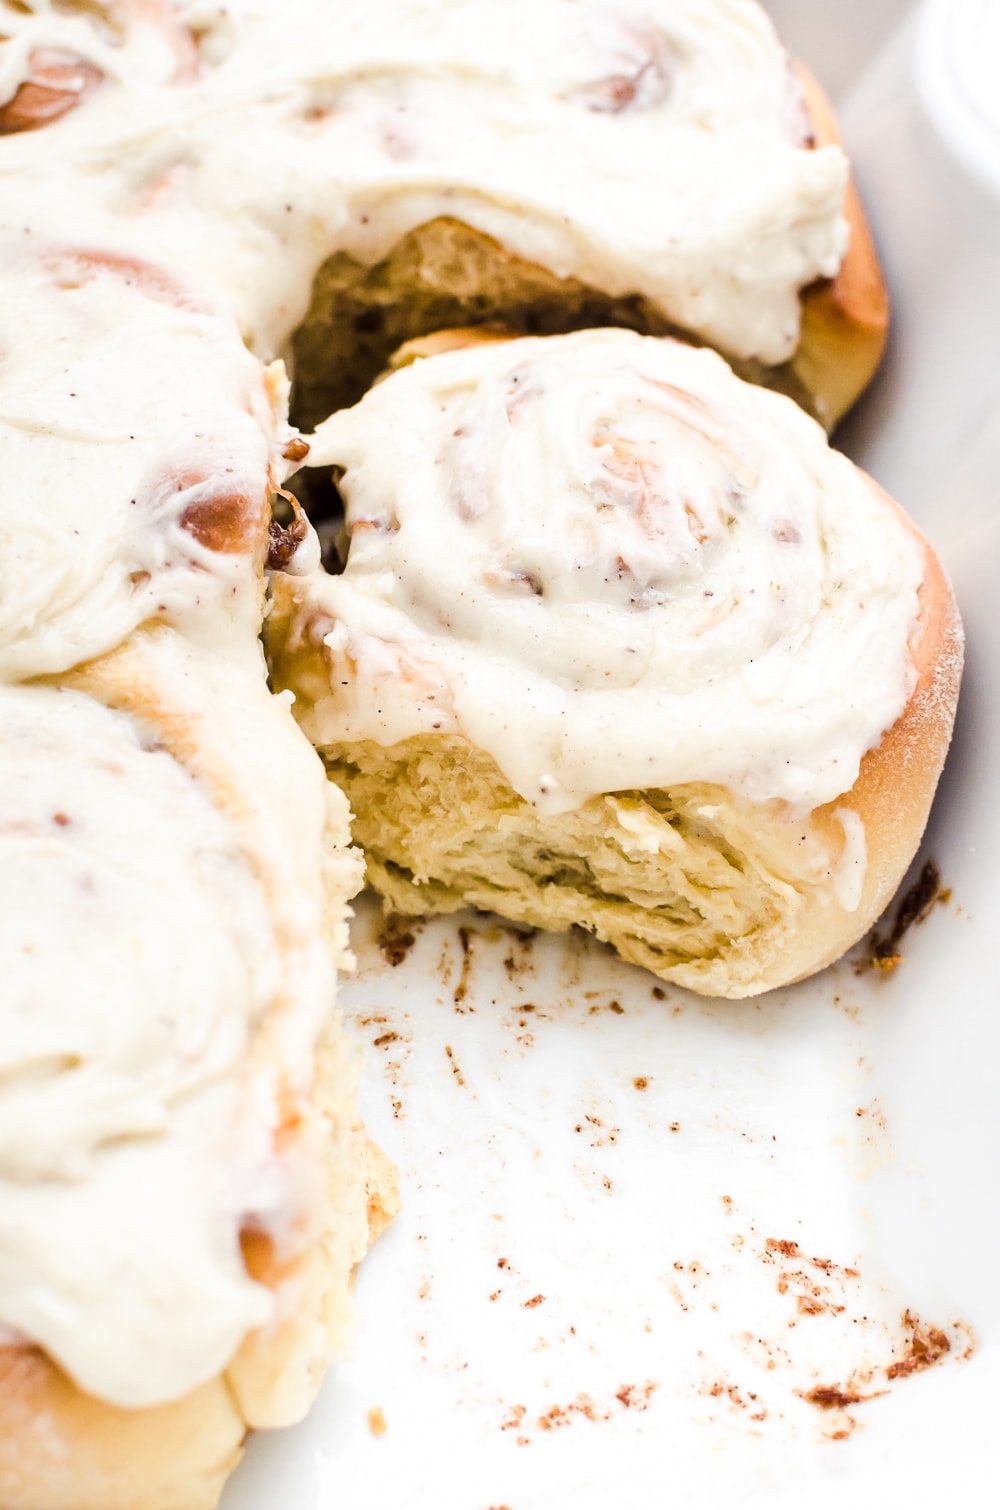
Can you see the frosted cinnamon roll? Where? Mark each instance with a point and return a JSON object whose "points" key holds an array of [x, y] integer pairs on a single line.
{"points": [[549, 164], [182, 1174], [621, 642]]}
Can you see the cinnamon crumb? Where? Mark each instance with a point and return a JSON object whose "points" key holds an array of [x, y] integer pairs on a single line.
{"points": [[559, 1415], [636, 1396], [396, 939], [514, 1418], [926, 1346], [461, 991]]}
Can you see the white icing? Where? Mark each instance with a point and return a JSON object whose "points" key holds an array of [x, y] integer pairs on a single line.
{"points": [[126, 407], [652, 147], [849, 875], [612, 565], [122, 1052], [165, 981]]}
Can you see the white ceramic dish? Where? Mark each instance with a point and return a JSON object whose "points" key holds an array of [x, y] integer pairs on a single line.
{"points": [[639, 1233]]}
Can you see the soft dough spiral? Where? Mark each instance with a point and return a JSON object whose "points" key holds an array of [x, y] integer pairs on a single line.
{"points": [[611, 564], [619, 642]]}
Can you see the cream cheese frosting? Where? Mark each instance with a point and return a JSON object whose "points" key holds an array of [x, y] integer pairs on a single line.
{"points": [[658, 147], [137, 450], [123, 1178], [147, 1061], [611, 564]]}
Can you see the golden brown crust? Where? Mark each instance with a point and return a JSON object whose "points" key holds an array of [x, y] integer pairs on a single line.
{"points": [[898, 779], [439, 341], [845, 320], [231, 523], [894, 789], [61, 1450]]}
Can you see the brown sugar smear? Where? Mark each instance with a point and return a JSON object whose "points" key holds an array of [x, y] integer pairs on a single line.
{"points": [[914, 907], [924, 1347], [57, 82], [927, 1345]]}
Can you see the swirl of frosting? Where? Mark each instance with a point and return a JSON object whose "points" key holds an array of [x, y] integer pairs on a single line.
{"points": [[611, 564], [164, 992]]}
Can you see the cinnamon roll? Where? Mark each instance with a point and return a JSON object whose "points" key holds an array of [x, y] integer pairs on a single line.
{"points": [[182, 1171], [621, 642], [548, 164]]}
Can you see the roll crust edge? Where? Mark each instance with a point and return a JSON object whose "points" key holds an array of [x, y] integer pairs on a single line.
{"points": [[845, 319], [898, 778]]}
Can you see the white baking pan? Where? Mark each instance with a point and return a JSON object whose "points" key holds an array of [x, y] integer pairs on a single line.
{"points": [[658, 1251]]}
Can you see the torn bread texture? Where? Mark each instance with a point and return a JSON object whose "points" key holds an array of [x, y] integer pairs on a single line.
{"points": [[722, 896]]}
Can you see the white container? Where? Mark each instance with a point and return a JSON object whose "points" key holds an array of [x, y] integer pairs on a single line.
{"points": [[579, 1307]]}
